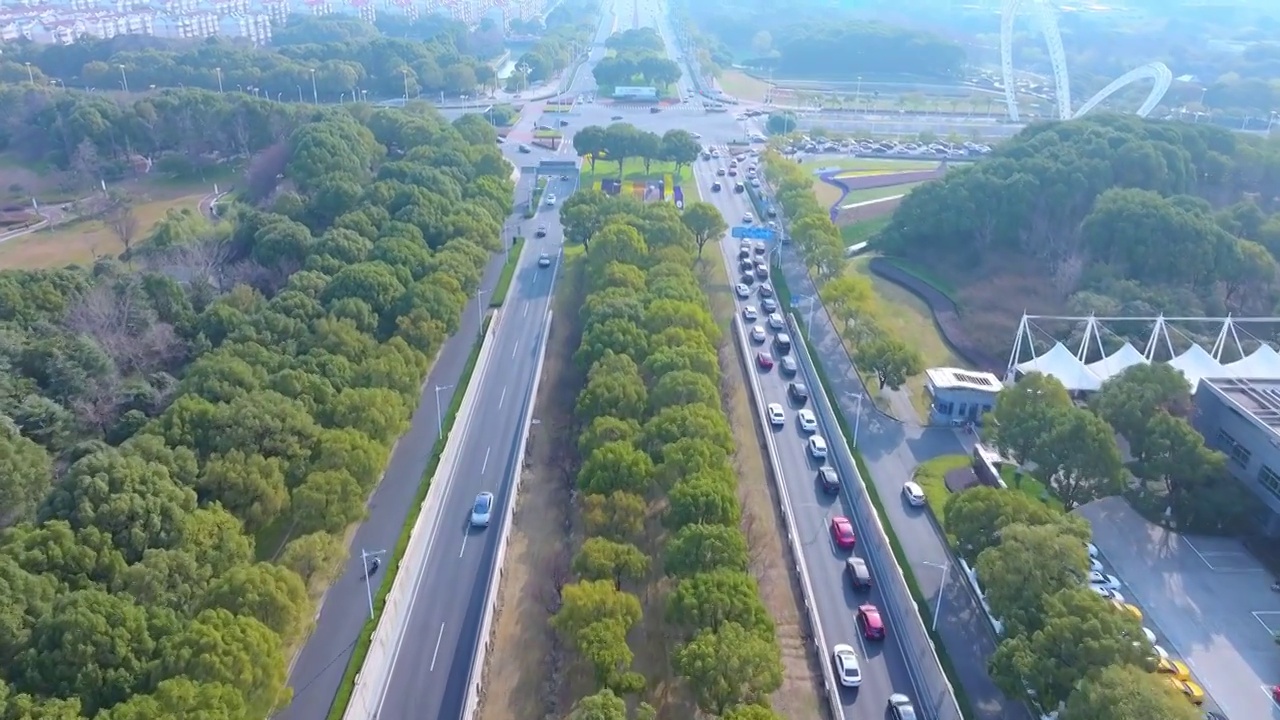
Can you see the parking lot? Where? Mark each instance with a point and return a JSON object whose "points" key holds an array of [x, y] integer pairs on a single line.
{"points": [[1207, 599]]}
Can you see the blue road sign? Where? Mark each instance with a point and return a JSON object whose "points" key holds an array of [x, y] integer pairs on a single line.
{"points": [[752, 232]]}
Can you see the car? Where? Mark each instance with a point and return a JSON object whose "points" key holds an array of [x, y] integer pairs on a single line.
{"points": [[541, 231], [913, 493], [762, 271], [817, 447], [764, 360], [739, 187], [1104, 580], [746, 266], [544, 260], [777, 417], [749, 313], [716, 186], [761, 248], [755, 182], [900, 707], [758, 334], [733, 163], [742, 291], [808, 423], [1173, 668], [782, 341], [846, 665], [829, 480], [799, 393], [870, 622], [551, 200], [1096, 565], [720, 172], [1093, 550], [746, 218], [744, 253], [1132, 610], [746, 278], [859, 573], [766, 290], [788, 365], [769, 305], [1190, 690], [525, 149], [776, 322], [842, 532], [655, 110], [482, 509], [733, 173], [1107, 593], [1155, 653], [616, 117]]}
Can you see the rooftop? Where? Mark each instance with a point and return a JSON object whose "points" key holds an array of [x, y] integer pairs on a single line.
{"points": [[1258, 400], [944, 378]]}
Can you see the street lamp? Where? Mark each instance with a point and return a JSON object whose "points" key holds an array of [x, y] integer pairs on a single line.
{"points": [[218, 70], [937, 606], [439, 416], [405, 71], [480, 306], [857, 417], [299, 92], [365, 557], [31, 77], [124, 79], [524, 69], [857, 93], [315, 94]]}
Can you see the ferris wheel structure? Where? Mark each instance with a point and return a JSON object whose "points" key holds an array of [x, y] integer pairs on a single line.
{"points": [[1045, 15]]}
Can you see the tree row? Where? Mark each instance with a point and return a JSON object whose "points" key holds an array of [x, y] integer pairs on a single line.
{"points": [[637, 57], [848, 297], [187, 438], [656, 486], [621, 142]]}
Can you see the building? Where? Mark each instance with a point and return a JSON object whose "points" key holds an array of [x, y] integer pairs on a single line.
{"points": [[960, 396], [1241, 418]]}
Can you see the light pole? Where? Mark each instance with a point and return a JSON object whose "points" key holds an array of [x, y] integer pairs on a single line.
{"points": [[937, 606], [439, 415], [857, 417], [365, 556], [405, 71], [524, 69], [31, 77], [299, 92], [218, 70], [124, 79], [315, 94], [857, 93], [480, 306]]}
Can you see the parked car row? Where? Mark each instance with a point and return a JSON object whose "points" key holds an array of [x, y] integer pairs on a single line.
{"points": [[868, 146]]}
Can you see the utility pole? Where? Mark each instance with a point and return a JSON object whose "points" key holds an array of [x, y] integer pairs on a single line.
{"points": [[405, 72], [365, 556], [124, 79], [315, 94], [439, 415], [218, 70]]}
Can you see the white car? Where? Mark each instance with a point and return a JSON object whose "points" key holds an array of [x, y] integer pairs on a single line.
{"points": [[747, 219], [1093, 550], [818, 447], [757, 334], [551, 200], [749, 313], [808, 422], [847, 667], [776, 322], [776, 415], [914, 493], [482, 509], [742, 291], [1095, 565], [1149, 634], [1107, 593], [1103, 580]]}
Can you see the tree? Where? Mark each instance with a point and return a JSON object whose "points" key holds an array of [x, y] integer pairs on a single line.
{"points": [[976, 517], [180, 697], [589, 143], [1125, 692], [220, 647], [618, 516], [1131, 399], [620, 142], [614, 388], [692, 457], [679, 147], [684, 387], [603, 705], [603, 559], [709, 600], [316, 558], [1026, 413], [1080, 459], [587, 602], [1029, 565], [781, 123], [273, 595], [124, 222], [250, 486], [704, 221], [674, 423], [730, 666], [892, 359], [616, 467], [606, 429], [751, 712], [702, 500], [703, 548], [25, 472], [1195, 477], [1081, 635]]}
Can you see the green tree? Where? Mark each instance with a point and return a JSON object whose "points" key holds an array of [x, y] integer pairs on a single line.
{"points": [[692, 457], [589, 143], [681, 148], [219, 647], [614, 388], [1029, 565], [684, 387], [327, 501], [606, 429], [588, 602], [603, 559], [729, 667], [677, 422], [1026, 413], [704, 500], [25, 471], [272, 595], [250, 486], [703, 548], [1131, 399], [317, 558], [618, 516], [180, 697], [708, 600], [893, 359], [704, 221], [1125, 692], [616, 467], [976, 517], [603, 705], [751, 712]]}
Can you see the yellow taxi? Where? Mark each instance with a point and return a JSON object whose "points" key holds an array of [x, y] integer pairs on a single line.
{"points": [[1173, 668], [1127, 608], [1190, 690]]}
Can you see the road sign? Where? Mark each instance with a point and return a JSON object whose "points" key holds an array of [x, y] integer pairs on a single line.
{"points": [[752, 232]]}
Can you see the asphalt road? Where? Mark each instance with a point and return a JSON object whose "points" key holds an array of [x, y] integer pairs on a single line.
{"points": [[883, 665]]}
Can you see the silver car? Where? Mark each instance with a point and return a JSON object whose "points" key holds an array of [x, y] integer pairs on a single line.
{"points": [[482, 510]]}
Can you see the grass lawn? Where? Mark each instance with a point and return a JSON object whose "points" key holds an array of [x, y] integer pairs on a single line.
{"points": [[1029, 486], [931, 475], [743, 86], [79, 242], [879, 193], [632, 170], [863, 231], [940, 285], [907, 317]]}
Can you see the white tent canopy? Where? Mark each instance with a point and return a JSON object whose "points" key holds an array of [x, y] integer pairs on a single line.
{"points": [[1195, 364], [1062, 364], [1261, 364], [1117, 362]]}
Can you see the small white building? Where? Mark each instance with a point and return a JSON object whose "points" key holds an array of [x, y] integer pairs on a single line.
{"points": [[958, 396]]}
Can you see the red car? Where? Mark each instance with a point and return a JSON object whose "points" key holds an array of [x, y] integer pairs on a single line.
{"points": [[842, 532], [870, 622], [764, 360]]}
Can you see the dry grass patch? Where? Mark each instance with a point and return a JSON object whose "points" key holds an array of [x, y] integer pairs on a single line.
{"points": [[743, 86], [762, 524]]}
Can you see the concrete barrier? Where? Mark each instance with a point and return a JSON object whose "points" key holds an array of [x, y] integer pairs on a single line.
{"points": [[374, 676]]}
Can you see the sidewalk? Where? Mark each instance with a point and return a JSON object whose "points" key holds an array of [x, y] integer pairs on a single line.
{"points": [[892, 450]]}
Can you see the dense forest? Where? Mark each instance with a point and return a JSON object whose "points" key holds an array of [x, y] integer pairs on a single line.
{"points": [[166, 421], [639, 57], [1113, 215]]}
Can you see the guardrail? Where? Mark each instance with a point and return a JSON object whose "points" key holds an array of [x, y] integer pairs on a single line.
{"points": [[484, 640], [374, 676], [793, 539], [926, 672]]}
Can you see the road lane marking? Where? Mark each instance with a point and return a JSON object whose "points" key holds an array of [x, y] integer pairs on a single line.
{"points": [[502, 398], [485, 464], [465, 534], [526, 309], [437, 652], [513, 350]]}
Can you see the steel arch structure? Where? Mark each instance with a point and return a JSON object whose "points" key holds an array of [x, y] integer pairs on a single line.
{"points": [[1046, 17]]}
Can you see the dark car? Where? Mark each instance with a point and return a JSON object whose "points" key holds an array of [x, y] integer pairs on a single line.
{"points": [[828, 479], [788, 366], [766, 290], [747, 278], [739, 187], [715, 187], [616, 117], [720, 172], [541, 231], [764, 360], [744, 254], [762, 271], [564, 123], [655, 110], [745, 265], [798, 392], [859, 575]]}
